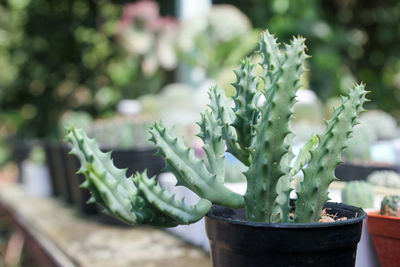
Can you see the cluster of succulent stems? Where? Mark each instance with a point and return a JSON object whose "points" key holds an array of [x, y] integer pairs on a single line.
{"points": [[254, 126]]}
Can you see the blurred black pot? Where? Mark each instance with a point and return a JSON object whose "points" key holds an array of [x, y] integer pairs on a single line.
{"points": [[351, 171], [55, 156]]}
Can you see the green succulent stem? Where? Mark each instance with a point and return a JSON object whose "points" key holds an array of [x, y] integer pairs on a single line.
{"points": [[319, 173], [253, 126], [190, 171], [270, 147], [134, 200]]}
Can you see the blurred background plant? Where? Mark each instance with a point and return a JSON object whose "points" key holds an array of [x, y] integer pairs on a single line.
{"points": [[72, 62], [150, 39], [213, 42], [76, 55], [121, 133], [350, 40]]}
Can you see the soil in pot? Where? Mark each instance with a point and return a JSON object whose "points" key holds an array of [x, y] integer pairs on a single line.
{"points": [[385, 231], [235, 242]]}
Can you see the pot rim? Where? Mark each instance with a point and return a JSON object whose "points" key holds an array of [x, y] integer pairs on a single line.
{"points": [[360, 216], [372, 164], [375, 214]]}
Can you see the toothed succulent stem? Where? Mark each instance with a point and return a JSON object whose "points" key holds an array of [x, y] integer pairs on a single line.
{"points": [[270, 147], [246, 112], [221, 108], [319, 173], [190, 171], [134, 200], [258, 135]]}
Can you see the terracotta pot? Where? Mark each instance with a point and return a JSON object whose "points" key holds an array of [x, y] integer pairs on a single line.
{"points": [[385, 231]]}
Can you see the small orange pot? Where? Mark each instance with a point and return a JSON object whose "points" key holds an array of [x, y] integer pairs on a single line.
{"points": [[385, 231]]}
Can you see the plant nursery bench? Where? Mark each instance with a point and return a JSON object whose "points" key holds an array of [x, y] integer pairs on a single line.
{"points": [[56, 235]]}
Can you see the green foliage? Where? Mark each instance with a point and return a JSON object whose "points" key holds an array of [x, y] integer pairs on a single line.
{"points": [[390, 206], [358, 149], [359, 194], [349, 39], [37, 155], [259, 136], [120, 132], [216, 40], [381, 124], [59, 56]]}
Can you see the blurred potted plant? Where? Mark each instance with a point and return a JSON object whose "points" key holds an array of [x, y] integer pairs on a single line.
{"points": [[128, 139], [213, 43], [384, 227], [375, 126], [56, 154], [257, 136], [35, 174], [384, 178], [149, 39], [359, 194]]}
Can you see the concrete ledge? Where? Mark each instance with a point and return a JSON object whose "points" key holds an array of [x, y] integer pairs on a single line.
{"points": [[59, 236]]}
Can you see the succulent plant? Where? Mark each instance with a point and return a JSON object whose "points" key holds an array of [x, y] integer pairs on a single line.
{"points": [[359, 194], [390, 206], [120, 132], [385, 178], [382, 123], [145, 34], [79, 119], [257, 135], [358, 148], [214, 41]]}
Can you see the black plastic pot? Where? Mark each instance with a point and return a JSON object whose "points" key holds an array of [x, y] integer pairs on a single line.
{"points": [[355, 172], [79, 195], [235, 242], [137, 160], [55, 157]]}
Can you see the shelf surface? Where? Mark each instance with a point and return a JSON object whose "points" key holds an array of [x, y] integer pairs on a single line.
{"points": [[66, 238]]}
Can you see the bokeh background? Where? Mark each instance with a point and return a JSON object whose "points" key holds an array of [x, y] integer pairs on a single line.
{"points": [[115, 66]]}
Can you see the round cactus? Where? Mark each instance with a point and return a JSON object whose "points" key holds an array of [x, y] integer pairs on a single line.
{"points": [[358, 193], [390, 206], [385, 178], [382, 123]]}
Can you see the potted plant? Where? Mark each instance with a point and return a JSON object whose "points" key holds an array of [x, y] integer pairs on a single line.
{"points": [[389, 179], [384, 227], [376, 129], [361, 194], [265, 226], [35, 174]]}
